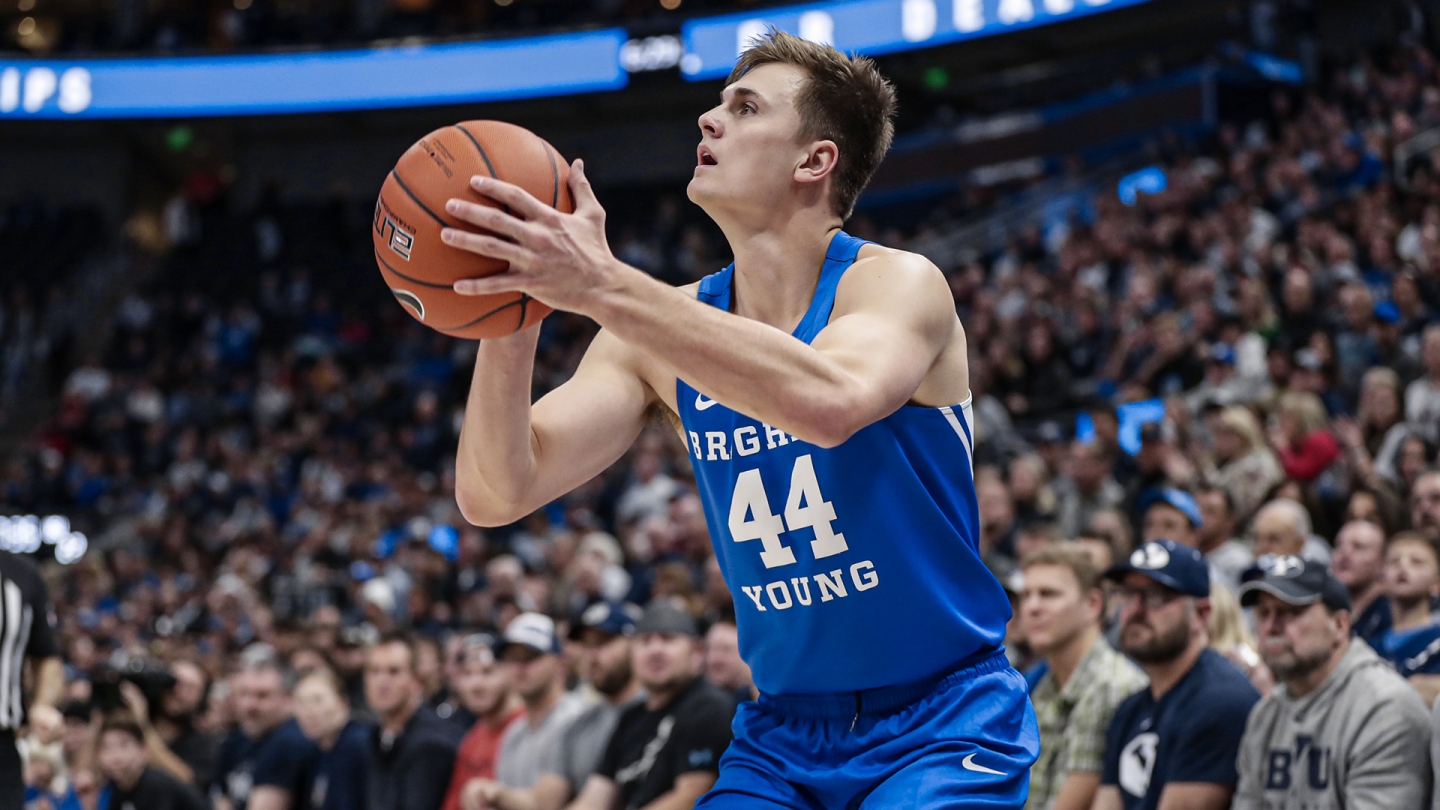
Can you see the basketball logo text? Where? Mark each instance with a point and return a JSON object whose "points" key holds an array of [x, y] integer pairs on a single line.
{"points": [[391, 229]]}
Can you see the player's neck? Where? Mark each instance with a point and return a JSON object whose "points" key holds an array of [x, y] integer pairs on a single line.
{"points": [[777, 266]]}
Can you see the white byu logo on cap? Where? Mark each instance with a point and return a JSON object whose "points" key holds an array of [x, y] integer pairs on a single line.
{"points": [[1150, 555]]}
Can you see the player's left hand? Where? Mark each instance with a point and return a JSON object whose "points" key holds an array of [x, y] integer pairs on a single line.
{"points": [[562, 260]]}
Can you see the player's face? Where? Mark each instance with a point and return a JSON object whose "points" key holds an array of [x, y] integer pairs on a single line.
{"points": [[1054, 610], [749, 148]]}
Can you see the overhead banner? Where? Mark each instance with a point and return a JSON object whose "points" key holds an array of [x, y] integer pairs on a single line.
{"points": [[313, 82], [711, 45]]}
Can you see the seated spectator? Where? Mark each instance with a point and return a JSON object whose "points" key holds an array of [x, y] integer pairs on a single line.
{"points": [[1341, 729], [1061, 610], [175, 721], [1174, 744], [666, 751], [485, 688], [532, 746], [723, 665], [1282, 528], [1359, 565], [1088, 488], [337, 782], [413, 750], [1422, 397], [1245, 467], [1425, 506], [264, 760], [1303, 444], [130, 781], [1412, 644], [1170, 514], [1228, 557]]}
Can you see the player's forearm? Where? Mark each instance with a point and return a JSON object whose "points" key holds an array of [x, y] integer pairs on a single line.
{"points": [[495, 461], [752, 367]]}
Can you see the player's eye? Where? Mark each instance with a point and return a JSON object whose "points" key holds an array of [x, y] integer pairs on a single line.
{"points": [[748, 108]]}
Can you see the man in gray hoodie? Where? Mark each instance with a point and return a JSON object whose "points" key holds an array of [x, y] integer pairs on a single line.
{"points": [[1342, 729]]}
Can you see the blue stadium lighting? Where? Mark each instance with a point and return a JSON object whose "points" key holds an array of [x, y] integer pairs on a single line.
{"points": [[313, 82], [1149, 180], [873, 26]]}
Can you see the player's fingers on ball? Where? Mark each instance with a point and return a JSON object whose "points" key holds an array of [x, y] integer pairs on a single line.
{"points": [[585, 201], [482, 244], [490, 285], [518, 199], [491, 219]]}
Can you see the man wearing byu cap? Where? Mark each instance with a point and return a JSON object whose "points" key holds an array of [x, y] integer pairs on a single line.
{"points": [[1173, 744], [1342, 728]]}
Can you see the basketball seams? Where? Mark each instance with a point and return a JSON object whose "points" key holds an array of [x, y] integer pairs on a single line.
{"points": [[387, 266], [478, 148], [554, 173], [423, 207], [482, 318]]}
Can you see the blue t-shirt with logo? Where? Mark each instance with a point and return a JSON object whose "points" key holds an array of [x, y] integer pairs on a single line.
{"points": [[1413, 652], [1191, 734]]}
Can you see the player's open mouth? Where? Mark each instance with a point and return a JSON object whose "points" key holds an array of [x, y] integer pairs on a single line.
{"points": [[705, 157]]}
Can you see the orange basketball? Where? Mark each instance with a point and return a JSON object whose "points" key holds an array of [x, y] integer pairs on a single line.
{"points": [[418, 267]]}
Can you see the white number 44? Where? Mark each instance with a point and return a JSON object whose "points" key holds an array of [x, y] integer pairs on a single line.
{"points": [[805, 508]]}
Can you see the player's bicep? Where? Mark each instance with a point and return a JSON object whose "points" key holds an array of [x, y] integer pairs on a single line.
{"points": [[586, 424], [893, 317]]}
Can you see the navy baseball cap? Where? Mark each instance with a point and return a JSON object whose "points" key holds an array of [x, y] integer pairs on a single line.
{"points": [[1178, 498], [1297, 582], [615, 618], [533, 630], [1178, 567]]}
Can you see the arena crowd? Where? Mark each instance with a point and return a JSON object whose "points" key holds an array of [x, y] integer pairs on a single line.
{"points": [[1230, 600]]}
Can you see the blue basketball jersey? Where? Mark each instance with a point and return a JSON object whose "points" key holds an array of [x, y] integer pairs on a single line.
{"points": [[855, 567]]}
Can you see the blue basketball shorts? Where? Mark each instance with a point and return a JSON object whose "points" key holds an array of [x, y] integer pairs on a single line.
{"points": [[965, 739]]}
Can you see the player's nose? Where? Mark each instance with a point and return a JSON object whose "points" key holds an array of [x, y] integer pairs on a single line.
{"points": [[710, 123]]}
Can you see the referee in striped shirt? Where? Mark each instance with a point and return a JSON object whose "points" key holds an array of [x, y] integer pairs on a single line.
{"points": [[26, 635]]}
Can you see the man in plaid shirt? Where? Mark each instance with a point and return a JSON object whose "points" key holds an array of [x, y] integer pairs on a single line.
{"points": [[1060, 612]]}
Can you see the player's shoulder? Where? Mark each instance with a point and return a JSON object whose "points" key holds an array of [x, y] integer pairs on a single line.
{"points": [[884, 273]]}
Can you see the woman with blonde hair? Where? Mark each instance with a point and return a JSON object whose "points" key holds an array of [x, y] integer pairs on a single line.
{"points": [[1243, 464], [1302, 442], [1231, 638]]}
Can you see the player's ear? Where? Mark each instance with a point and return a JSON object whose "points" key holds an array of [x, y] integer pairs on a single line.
{"points": [[818, 163]]}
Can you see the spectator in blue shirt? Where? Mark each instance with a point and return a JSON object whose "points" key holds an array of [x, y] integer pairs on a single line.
{"points": [[1173, 744], [1412, 644], [264, 762]]}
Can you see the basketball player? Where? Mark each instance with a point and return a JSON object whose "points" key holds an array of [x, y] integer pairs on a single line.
{"points": [[821, 386]]}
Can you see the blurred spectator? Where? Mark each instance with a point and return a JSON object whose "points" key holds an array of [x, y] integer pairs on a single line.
{"points": [[1170, 514], [337, 782], [1227, 556], [1301, 441], [1341, 729], [1088, 488], [487, 689], [533, 745], [1282, 527], [1085, 679], [1359, 565], [1412, 643], [1425, 506], [1422, 397], [133, 784], [412, 752], [666, 751], [1245, 467], [1175, 743], [264, 760], [723, 665], [175, 721], [1230, 636]]}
